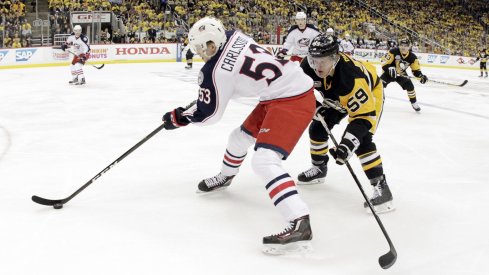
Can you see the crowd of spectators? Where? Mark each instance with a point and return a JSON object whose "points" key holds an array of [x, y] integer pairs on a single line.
{"points": [[15, 31], [456, 25]]}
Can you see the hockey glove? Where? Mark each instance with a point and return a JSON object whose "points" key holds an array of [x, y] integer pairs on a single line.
{"points": [[282, 54], [423, 79], [175, 119], [82, 57], [64, 47], [349, 144], [393, 72]]}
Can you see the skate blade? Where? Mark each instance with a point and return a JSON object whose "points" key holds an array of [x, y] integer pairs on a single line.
{"points": [[382, 208], [301, 247], [312, 182], [198, 191]]}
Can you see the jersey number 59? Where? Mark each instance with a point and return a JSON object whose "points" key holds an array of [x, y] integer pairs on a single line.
{"points": [[357, 100]]}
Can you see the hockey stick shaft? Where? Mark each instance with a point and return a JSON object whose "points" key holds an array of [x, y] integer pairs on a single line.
{"points": [[443, 82], [49, 202], [96, 67], [388, 259]]}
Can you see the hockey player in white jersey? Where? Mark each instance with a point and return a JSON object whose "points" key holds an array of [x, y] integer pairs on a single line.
{"points": [[346, 46], [236, 67], [298, 38], [81, 50]]}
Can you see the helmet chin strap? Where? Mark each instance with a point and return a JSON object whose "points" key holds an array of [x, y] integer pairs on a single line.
{"points": [[334, 65]]}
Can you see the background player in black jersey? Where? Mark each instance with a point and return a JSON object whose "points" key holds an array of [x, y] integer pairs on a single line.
{"points": [[352, 89], [397, 61], [483, 56], [189, 55]]}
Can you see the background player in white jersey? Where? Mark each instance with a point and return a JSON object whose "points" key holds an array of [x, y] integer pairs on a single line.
{"points": [[236, 66], [81, 50], [298, 38], [346, 46]]}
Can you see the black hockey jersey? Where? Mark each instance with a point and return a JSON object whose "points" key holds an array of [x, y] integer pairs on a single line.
{"points": [[394, 58]]}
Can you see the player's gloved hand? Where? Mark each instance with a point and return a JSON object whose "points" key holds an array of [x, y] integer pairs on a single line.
{"points": [[392, 72], [175, 119], [423, 79], [349, 144], [320, 111], [82, 57], [282, 54], [64, 47]]}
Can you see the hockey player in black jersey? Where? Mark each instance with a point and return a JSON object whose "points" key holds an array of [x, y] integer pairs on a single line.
{"points": [[397, 61], [483, 56], [352, 89]]}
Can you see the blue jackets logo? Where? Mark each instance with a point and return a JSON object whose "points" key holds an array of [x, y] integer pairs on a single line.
{"points": [[24, 55], [3, 54]]}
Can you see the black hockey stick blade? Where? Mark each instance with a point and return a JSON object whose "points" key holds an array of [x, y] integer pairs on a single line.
{"points": [[463, 83], [100, 67], [47, 202], [388, 259]]}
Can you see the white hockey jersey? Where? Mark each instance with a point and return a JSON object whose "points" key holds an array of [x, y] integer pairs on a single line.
{"points": [[346, 46], [297, 41], [242, 68], [80, 44]]}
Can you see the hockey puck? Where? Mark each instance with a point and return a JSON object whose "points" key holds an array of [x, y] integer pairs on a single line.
{"points": [[58, 206]]}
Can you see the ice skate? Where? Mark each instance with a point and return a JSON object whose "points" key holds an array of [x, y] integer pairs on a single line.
{"points": [[188, 67], [485, 76], [314, 175], [381, 199], [81, 82], [73, 81], [416, 106], [215, 183], [295, 238]]}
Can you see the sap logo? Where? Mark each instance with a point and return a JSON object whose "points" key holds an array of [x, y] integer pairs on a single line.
{"points": [[264, 130], [432, 58], [24, 55], [444, 59], [3, 54]]}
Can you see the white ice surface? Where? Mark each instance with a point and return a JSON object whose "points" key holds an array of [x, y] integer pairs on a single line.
{"points": [[144, 217]]}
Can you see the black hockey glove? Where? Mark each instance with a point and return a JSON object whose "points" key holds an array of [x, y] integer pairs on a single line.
{"points": [[64, 47], [282, 54], [423, 79], [393, 72], [349, 144], [175, 119]]}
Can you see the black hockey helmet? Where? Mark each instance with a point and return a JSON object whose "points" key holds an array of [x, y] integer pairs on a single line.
{"points": [[324, 45]]}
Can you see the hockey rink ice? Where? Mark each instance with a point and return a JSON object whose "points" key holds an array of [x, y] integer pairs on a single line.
{"points": [[145, 217]]}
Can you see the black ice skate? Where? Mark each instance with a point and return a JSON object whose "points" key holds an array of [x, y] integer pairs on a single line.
{"points": [[188, 67], [80, 82], [416, 106], [296, 237], [381, 199], [214, 183], [486, 75], [314, 175], [74, 81]]}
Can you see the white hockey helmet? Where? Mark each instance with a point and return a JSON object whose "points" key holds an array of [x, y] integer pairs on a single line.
{"points": [[330, 31], [300, 15], [77, 29], [205, 30]]}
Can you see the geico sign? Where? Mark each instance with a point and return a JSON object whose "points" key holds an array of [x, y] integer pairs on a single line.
{"points": [[142, 50]]}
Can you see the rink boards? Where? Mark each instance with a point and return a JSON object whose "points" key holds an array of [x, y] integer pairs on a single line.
{"points": [[140, 53]]}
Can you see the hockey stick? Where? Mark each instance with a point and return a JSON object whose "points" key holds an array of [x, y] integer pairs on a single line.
{"points": [[58, 204], [444, 83], [99, 67], [388, 259]]}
